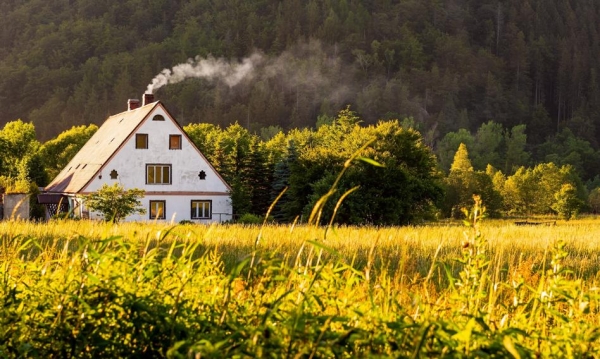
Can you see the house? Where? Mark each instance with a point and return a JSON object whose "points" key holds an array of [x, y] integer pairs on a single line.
{"points": [[143, 147]]}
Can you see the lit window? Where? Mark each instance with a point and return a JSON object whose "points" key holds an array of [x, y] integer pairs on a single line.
{"points": [[158, 118], [158, 174], [201, 209], [141, 140], [174, 142], [157, 209]]}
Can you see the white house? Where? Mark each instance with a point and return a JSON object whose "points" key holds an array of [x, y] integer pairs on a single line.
{"points": [[144, 148]]}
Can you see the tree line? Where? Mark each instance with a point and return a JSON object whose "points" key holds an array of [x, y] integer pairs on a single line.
{"points": [[390, 175]]}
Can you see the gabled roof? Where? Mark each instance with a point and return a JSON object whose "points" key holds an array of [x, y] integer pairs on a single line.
{"points": [[98, 150]]}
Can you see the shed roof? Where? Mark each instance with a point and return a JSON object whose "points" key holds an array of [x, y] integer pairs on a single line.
{"points": [[98, 150]]}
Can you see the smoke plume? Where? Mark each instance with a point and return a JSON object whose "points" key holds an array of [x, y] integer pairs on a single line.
{"points": [[306, 80], [230, 73]]}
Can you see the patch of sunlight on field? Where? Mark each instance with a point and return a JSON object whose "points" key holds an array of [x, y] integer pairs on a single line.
{"points": [[411, 249]]}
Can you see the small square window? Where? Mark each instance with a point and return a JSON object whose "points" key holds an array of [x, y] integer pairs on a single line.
{"points": [[201, 209], [141, 140], [174, 142], [157, 209]]}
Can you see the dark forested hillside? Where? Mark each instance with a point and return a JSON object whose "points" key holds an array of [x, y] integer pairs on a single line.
{"points": [[449, 64]]}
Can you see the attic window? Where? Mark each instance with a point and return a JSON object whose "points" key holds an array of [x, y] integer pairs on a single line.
{"points": [[174, 142], [114, 174], [202, 175], [158, 118]]}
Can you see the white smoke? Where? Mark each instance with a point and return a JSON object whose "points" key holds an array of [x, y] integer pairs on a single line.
{"points": [[231, 73]]}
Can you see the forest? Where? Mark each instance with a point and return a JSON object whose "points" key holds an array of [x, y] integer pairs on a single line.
{"points": [[514, 81]]}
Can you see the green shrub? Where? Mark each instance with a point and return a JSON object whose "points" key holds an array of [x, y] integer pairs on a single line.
{"points": [[249, 218]]}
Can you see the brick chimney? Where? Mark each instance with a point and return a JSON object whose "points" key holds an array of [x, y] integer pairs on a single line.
{"points": [[132, 104], [148, 98]]}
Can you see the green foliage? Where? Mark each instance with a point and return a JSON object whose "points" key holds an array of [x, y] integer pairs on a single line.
{"points": [[115, 203], [249, 218], [461, 162], [594, 200], [258, 174], [284, 207], [14, 185], [473, 278], [487, 149], [463, 183], [448, 146], [566, 204], [535, 190], [516, 156], [19, 158], [57, 152], [403, 188], [566, 149], [206, 137]]}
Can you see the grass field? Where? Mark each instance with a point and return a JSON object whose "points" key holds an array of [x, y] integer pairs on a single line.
{"points": [[86, 289]]}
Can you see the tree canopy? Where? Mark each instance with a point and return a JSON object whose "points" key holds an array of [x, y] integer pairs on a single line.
{"points": [[115, 202]]}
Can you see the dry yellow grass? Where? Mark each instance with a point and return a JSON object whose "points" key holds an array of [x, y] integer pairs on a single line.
{"points": [[410, 250], [410, 278]]}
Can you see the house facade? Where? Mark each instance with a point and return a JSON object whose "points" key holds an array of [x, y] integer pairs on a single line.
{"points": [[143, 147]]}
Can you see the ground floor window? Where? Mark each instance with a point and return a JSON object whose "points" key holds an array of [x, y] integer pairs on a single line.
{"points": [[157, 209], [201, 209]]}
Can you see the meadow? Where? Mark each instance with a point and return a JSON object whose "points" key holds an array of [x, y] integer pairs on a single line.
{"points": [[486, 289]]}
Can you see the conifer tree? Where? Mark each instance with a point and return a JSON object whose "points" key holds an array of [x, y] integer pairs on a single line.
{"points": [[258, 178], [281, 180], [461, 160], [463, 182]]}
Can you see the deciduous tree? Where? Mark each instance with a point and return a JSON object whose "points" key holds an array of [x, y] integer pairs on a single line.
{"points": [[115, 203]]}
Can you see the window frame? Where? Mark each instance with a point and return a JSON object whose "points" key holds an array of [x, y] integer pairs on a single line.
{"points": [[164, 208], [194, 210], [180, 140], [162, 165], [141, 135]]}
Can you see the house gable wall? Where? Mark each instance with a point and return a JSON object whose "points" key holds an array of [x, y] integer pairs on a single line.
{"points": [[186, 163], [129, 163]]}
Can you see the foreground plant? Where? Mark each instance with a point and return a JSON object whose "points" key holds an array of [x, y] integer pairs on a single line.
{"points": [[115, 203], [165, 295]]}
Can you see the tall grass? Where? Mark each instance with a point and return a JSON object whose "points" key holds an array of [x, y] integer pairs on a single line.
{"points": [[89, 289]]}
